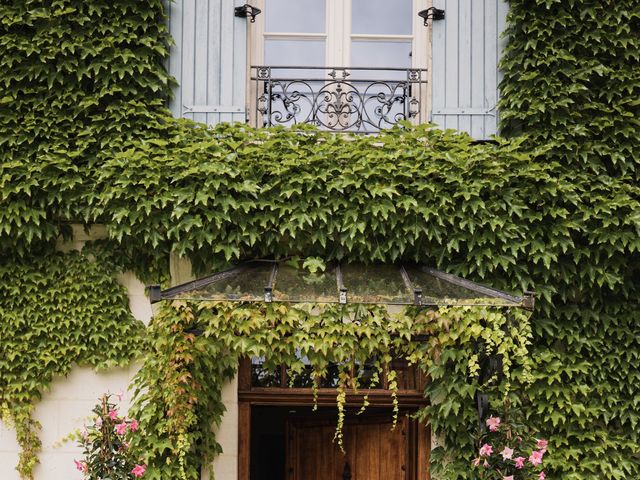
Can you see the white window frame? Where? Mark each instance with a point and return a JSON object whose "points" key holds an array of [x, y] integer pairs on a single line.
{"points": [[338, 39]]}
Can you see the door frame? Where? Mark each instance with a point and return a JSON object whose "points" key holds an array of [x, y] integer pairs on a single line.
{"points": [[408, 400]]}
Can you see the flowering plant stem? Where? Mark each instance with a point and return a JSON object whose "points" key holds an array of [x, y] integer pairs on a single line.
{"points": [[106, 445]]}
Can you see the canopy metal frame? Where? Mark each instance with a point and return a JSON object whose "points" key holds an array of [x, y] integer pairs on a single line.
{"points": [[485, 295]]}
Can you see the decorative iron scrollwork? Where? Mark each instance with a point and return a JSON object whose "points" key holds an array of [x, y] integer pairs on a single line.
{"points": [[338, 99]]}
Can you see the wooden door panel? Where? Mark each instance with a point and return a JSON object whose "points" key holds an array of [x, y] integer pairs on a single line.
{"points": [[372, 450], [311, 453], [393, 452], [366, 461]]}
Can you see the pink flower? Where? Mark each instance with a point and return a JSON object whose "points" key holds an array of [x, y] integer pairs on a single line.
{"points": [[486, 450], [493, 423], [476, 462], [82, 466], [134, 425], [121, 428], [542, 476], [120, 394], [510, 477], [535, 458], [542, 445], [485, 464], [507, 453], [138, 470], [113, 414], [98, 422], [519, 461]]}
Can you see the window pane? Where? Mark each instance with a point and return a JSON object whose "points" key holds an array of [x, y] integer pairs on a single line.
{"points": [[261, 377], [299, 16], [293, 89], [382, 17], [380, 54], [307, 53]]}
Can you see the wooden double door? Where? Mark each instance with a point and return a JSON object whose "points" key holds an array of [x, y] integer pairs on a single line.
{"points": [[373, 450]]}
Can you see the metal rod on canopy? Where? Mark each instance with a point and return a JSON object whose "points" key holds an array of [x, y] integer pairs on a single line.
{"points": [[417, 292], [342, 291], [492, 292], [268, 290]]}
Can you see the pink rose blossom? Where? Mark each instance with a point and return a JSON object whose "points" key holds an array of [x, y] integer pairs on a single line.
{"points": [[535, 458], [486, 450], [99, 422], [134, 425], [510, 477], [542, 444], [121, 428], [493, 423], [542, 476], [138, 470], [507, 453], [519, 461], [476, 462], [113, 414]]}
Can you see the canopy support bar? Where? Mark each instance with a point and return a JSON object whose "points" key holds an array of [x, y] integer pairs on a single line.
{"points": [[268, 290], [341, 288]]}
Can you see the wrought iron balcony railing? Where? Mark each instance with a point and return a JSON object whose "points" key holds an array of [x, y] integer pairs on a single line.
{"points": [[359, 100]]}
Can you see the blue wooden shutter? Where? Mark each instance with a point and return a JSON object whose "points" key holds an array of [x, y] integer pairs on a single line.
{"points": [[466, 50], [208, 60]]}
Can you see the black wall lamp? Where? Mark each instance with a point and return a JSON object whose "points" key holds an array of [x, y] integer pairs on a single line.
{"points": [[246, 11], [431, 13]]}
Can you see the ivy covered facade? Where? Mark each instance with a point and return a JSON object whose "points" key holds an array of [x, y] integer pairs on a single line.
{"points": [[86, 138]]}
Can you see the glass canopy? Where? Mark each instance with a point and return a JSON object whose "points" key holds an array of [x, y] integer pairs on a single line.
{"points": [[288, 281]]}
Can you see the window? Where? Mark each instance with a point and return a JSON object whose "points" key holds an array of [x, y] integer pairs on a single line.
{"points": [[346, 65]]}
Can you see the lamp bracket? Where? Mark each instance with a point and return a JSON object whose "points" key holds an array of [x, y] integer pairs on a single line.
{"points": [[246, 10], [431, 13]]}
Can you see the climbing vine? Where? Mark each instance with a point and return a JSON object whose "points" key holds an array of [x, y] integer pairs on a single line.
{"points": [[85, 137], [572, 83], [197, 348], [56, 312]]}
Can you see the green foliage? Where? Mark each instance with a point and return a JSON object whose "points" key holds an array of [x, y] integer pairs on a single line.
{"points": [[178, 389], [572, 84], [84, 136], [56, 311], [78, 80], [412, 193]]}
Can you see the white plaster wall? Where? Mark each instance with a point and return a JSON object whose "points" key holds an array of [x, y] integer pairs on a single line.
{"points": [[225, 466], [70, 399]]}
